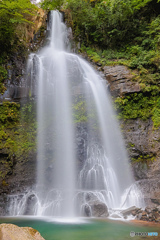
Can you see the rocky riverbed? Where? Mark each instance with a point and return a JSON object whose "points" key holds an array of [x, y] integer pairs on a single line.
{"points": [[147, 214]]}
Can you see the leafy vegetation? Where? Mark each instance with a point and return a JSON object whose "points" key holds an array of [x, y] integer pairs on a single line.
{"points": [[79, 110], [13, 16], [139, 105], [13, 13], [3, 75], [18, 129], [17, 135], [123, 32], [50, 5]]}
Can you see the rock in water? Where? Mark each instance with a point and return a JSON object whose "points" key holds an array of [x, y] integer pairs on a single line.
{"points": [[13, 232], [99, 209], [129, 211]]}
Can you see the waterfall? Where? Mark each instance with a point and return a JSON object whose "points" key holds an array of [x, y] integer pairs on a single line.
{"points": [[82, 159]]}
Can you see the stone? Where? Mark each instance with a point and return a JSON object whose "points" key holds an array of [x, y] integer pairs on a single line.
{"points": [[99, 209], [134, 213], [158, 209], [144, 213], [114, 215], [87, 210], [150, 215], [92, 205], [13, 232], [148, 210], [158, 220], [156, 215], [129, 211], [121, 80], [139, 216]]}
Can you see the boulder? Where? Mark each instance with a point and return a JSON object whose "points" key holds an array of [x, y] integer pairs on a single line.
{"points": [[92, 205], [13, 232], [99, 209], [121, 80], [129, 211]]}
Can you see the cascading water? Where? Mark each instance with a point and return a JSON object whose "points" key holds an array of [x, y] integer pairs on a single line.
{"points": [[81, 156]]}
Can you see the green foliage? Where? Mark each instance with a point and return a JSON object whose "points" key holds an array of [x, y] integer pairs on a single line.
{"points": [[18, 129], [79, 110], [139, 105], [156, 114], [3, 75], [145, 159], [50, 5], [128, 33], [108, 56], [135, 105], [109, 23], [12, 13], [9, 113]]}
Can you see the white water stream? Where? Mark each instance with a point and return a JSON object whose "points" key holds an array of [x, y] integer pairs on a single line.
{"points": [[82, 160]]}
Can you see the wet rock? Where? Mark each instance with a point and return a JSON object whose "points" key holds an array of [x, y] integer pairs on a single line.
{"points": [[129, 211], [134, 213], [98, 64], [87, 210], [148, 210], [114, 215], [141, 141], [144, 216], [139, 216], [2, 211], [151, 190], [144, 150], [150, 214], [158, 209], [81, 143], [158, 220], [156, 215], [156, 201], [121, 80], [30, 202], [92, 205], [99, 209], [12, 232], [144, 213]]}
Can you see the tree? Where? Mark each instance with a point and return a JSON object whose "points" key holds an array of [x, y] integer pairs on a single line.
{"points": [[52, 4], [13, 12]]}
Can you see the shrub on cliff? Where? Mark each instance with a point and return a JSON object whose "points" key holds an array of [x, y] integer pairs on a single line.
{"points": [[12, 13]]}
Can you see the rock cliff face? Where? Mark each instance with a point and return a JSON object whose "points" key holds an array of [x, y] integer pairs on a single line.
{"points": [[121, 80], [18, 174], [31, 39], [142, 140]]}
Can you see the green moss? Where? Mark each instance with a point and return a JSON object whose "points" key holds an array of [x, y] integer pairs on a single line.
{"points": [[135, 105], [146, 158], [18, 129], [156, 114], [108, 57], [3, 75], [131, 144], [139, 105], [79, 110], [4, 183], [9, 113]]}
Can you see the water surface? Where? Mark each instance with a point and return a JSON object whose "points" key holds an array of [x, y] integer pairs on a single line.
{"points": [[83, 229]]}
